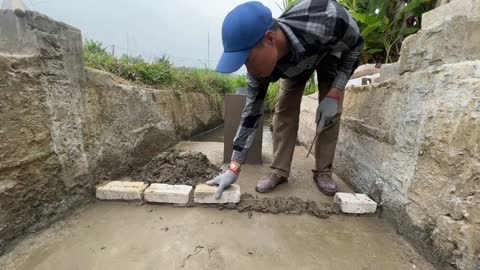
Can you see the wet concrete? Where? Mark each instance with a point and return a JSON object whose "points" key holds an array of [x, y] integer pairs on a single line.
{"points": [[174, 167], [111, 235], [280, 205]]}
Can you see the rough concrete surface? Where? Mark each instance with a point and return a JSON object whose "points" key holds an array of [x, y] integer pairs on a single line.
{"points": [[411, 141], [43, 166], [125, 236], [127, 125], [422, 164], [448, 9], [63, 131], [459, 38]]}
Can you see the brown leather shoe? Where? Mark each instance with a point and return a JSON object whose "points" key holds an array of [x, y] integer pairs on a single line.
{"points": [[325, 183], [269, 182]]}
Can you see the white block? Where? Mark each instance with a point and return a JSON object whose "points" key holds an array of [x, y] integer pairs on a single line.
{"points": [[206, 194], [121, 190], [163, 193], [355, 203]]}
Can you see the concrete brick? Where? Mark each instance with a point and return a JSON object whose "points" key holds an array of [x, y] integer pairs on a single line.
{"points": [[206, 194], [355, 203], [454, 41], [163, 193], [443, 13], [121, 190]]}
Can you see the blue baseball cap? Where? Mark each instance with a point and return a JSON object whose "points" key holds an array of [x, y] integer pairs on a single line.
{"points": [[242, 29]]}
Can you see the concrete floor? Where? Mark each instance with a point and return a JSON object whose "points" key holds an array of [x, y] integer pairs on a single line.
{"points": [[113, 235]]}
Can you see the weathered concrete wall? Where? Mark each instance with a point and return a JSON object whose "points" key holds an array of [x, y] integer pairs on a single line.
{"points": [[412, 144], [413, 141], [43, 166], [127, 125], [59, 135]]}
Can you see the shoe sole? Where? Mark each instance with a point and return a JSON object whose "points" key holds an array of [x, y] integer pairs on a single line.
{"points": [[270, 190]]}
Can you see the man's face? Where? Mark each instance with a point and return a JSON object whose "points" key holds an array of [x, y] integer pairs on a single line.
{"points": [[263, 58]]}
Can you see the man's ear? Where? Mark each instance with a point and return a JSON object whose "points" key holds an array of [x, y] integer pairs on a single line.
{"points": [[269, 38]]}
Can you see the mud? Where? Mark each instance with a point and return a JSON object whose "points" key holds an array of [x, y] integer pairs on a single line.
{"points": [[175, 167], [278, 205]]}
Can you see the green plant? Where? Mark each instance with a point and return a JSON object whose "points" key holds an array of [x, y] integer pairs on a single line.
{"points": [[239, 81], [160, 72], [385, 24], [94, 47], [272, 96], [287, 4]]}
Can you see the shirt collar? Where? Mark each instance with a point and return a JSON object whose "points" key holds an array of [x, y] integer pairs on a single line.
{"points": [[297, 47]]}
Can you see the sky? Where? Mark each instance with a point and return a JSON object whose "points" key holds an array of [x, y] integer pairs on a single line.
{"points": [[152, 28]]}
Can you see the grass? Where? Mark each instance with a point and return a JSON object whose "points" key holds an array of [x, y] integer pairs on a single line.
{"points": [[162, 73], [274, 91]]}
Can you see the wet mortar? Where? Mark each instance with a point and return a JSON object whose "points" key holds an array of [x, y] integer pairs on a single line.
{"points": [[177, 168], [277, 205], [191, 168]]}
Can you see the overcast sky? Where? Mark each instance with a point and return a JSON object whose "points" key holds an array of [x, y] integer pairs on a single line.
{"points": [[151, 28]]}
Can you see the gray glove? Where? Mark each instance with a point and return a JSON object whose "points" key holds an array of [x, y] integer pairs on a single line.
{"points": [[223, 181], [326, 112]]}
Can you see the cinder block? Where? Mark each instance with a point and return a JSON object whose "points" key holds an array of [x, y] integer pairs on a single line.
{"points": [[121, 190], [206, 194], [355, 203], [163, 193]]}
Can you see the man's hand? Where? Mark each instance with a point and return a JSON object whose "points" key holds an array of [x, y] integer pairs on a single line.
{"points": [[328, 109], [223, 181]]}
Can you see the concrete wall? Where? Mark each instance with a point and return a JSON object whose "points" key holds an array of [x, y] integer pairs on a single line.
{"points": [[413, 141], [127, 125], [62, 130]]}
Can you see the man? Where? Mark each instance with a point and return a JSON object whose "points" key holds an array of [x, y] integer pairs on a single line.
{"points": [[313, 35]]}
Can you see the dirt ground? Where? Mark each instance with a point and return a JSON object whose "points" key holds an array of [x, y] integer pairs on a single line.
{"points": [[114, 235]]}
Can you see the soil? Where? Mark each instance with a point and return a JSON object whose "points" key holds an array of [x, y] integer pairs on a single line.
{"points": [[174, 167]]}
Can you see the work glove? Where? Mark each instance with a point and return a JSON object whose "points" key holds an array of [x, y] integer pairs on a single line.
{"points": [[326, 112], [223, 181]]}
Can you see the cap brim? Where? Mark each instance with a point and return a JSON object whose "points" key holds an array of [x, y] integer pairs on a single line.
{"points": [[232, 61]]}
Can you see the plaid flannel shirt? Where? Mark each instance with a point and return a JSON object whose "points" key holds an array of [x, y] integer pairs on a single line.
{"points": [[315, 28]]}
